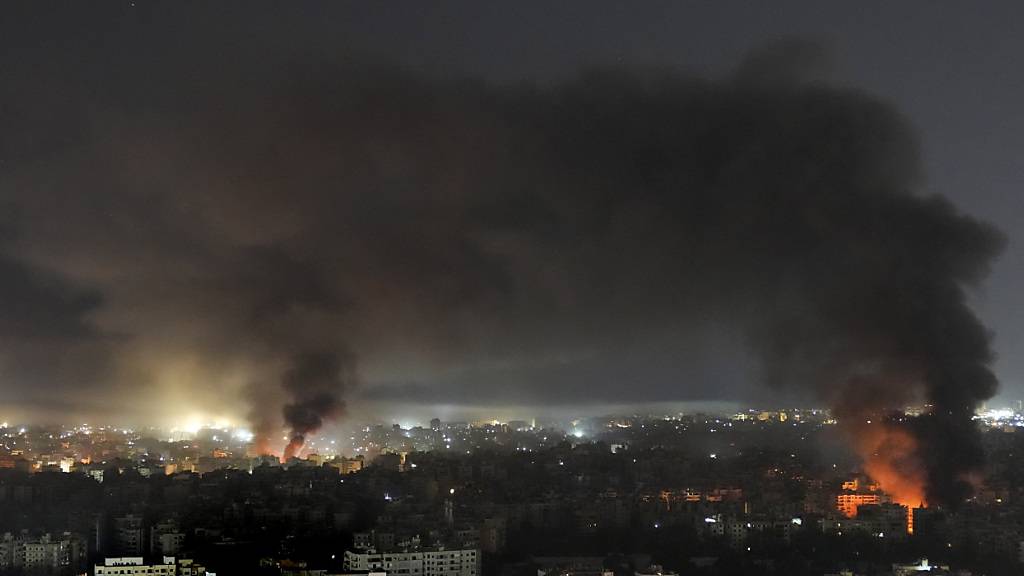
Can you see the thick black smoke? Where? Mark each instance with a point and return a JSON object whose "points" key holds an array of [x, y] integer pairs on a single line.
{"points": [[315, 383], [578, 241]]}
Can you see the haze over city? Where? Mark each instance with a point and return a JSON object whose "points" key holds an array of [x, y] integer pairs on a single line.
{"points": [[231, 231]]}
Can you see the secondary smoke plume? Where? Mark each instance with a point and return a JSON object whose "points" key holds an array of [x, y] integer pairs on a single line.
{"points": [[583, 241], [315, 383]]}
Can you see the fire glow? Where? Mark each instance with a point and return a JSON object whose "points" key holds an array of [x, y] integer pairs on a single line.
{"points": [[890, 458], [293, 447]]}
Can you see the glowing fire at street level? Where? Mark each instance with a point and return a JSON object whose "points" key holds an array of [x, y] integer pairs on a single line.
{"points": [[890, 458]]}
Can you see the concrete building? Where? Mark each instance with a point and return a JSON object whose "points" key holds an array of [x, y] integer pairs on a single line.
{"points": [[847, 503], [190, 568], [918, 568], [7, 548], [406, 563], [46, 554], [883, 519], [569, 565], [346, 465], [426, 562], [134, 565], [493, 535], [127, 535], [443, 562], [165, 539]]}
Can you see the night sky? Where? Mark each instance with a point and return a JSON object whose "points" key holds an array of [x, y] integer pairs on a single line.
{"points": [[254, 209]]}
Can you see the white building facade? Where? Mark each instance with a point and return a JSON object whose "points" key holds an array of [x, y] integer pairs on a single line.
{"points": [[427, 562], [134, 565]]}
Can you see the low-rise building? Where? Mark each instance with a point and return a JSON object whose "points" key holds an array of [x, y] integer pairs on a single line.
{"points": [[134, 566], [425, 562]]}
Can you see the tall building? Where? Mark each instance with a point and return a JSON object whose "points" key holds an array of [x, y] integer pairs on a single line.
{"points": [[45, 554], [127, 535], [8, 545], [165, 539], [493, 535]]}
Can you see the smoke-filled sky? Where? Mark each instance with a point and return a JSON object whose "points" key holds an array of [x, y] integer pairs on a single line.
{"points": [[269, 211]]}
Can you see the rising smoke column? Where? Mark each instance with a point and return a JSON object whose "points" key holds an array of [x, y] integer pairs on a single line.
{"points": [[792, 208], [315, 384], [900, 332]]}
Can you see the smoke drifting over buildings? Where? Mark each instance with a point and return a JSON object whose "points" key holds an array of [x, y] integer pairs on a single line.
{"points": [[315, 383], [539, 239]]}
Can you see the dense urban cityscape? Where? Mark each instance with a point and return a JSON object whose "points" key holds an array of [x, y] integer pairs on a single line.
{"points": [[768, 490]]}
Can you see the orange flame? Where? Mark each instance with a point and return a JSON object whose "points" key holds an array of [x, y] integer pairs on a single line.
{"points": [[890, 458], [261, 446]]}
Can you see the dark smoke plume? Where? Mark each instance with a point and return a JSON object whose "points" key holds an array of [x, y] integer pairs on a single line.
{"points": [[315, 383], [576, 242]]}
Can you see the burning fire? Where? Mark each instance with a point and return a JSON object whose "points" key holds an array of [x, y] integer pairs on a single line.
{"points": [[293, 447], [890, 458], [261, 446]]}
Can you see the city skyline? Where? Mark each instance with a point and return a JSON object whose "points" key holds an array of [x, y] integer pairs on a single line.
{"points": [[293, 228], [511, 288]]}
